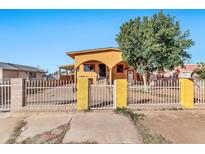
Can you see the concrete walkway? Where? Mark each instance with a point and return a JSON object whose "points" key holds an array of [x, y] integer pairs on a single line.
{"points": [[85, 127], [101, 127], [7, 125]]}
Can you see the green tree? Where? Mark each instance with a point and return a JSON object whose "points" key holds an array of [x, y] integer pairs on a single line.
{"points": [[200, 71], [154, 43]]}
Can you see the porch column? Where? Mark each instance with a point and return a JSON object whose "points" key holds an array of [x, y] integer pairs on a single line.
{"points": [[75, 76], [110, 75]]}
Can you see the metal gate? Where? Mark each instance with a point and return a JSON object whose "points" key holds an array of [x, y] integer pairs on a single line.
{"points": [[50, 93], [5, 95], [101, 97], [199, 91]]}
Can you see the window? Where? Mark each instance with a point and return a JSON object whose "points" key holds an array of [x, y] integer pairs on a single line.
{"points": [[32, 75], [119, 68], [89, 67]]}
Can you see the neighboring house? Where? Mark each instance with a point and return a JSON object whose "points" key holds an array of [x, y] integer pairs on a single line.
{"points": [[8, 71], [102, 65], [186, 71]]}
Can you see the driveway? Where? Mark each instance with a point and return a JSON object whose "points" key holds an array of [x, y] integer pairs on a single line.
{"points": [[101, 127], [7, 125], [81, 127]]}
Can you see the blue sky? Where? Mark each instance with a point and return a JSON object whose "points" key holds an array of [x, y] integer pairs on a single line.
{"points": [[41, 37]]}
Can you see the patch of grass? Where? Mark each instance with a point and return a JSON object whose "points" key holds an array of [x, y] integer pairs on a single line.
{"points": [[175, 108], [172, 109], [134, 116], [16, 132], [151, 137], [88, 110], [148, 136]]}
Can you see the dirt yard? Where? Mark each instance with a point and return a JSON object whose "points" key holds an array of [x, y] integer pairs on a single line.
{"points": [[180, 126]]}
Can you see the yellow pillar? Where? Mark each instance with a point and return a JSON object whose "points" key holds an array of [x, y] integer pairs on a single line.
{"points": [[121, 93], [82, 94], [186, 92]]}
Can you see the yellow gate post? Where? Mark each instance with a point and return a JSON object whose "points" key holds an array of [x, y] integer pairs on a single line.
{"points": [[120, 91], [186, 92], [82, 94]]}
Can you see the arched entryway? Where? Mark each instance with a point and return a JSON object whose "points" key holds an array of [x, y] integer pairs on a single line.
{"points": [[96, 71]]}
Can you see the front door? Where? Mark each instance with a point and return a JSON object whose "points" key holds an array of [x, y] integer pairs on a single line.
{"points": [[102, 70]]}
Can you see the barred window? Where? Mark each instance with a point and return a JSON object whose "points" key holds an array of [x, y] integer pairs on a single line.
{"points": [[89, 67]]}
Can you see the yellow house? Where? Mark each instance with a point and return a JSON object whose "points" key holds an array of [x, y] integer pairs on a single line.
{"points": [[102, 65]]}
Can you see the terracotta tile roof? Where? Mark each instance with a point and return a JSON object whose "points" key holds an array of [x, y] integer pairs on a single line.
{"points": [[187, 68]]}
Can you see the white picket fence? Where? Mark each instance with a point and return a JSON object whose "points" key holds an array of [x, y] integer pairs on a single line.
{"points": [[199, 91], [5, 95], [101, 97], [50, 93], [154, 93]]}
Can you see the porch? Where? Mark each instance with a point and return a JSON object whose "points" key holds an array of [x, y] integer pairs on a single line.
{"points": [[100, 73], [66, 72]]}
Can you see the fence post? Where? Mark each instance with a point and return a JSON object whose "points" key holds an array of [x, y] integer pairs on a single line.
{"points": [[17, 94], [120, 90], [186, 92], [82, 94]]}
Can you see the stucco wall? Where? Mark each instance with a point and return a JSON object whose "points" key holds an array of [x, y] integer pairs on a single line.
{"points": [[117, 75], [8, 74]]}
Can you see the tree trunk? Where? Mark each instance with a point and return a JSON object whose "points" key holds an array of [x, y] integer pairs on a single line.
{"points": [[144, 77]]}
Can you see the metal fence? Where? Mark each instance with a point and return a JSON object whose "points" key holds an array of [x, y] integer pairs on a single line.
{"points": [[199, 91], [50, 93], [63, 93], [101, 97], [5, 95], [154, 92]]}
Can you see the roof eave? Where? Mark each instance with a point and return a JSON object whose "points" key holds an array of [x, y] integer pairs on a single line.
{"points": [[73, 53]]}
